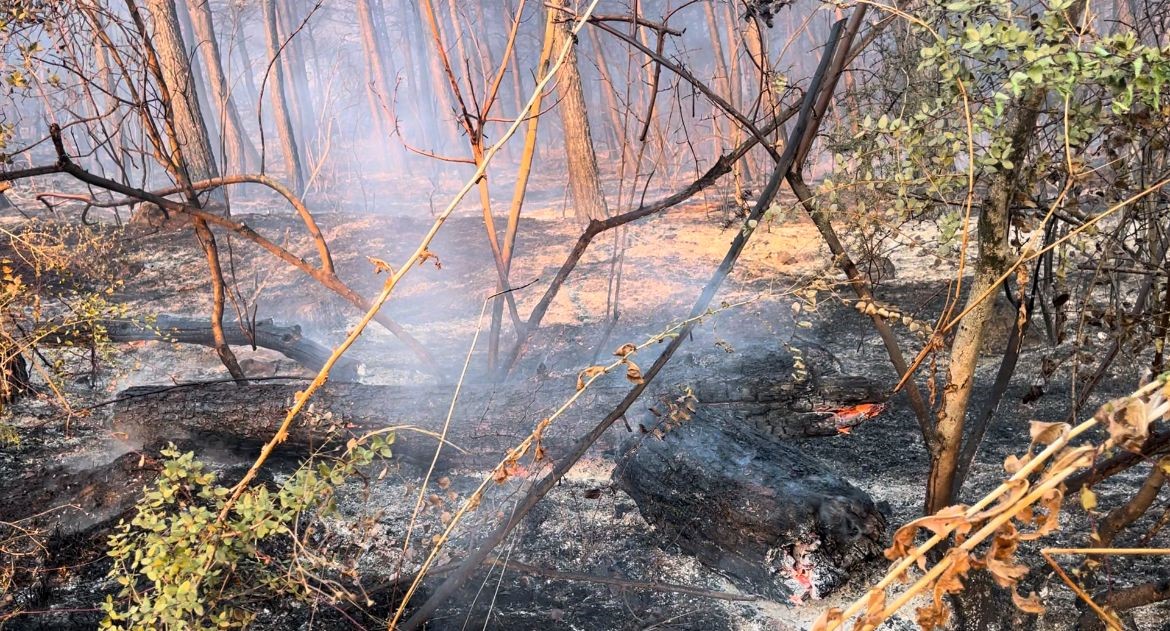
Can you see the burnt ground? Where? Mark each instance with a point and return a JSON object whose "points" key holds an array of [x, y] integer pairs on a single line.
{"points": [[584, 526]]}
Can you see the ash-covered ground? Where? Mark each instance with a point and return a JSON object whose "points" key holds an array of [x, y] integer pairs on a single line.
{"points": [[585, 527]]}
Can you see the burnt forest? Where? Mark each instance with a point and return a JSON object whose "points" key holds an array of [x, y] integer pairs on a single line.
{"points": [[631, 315]]}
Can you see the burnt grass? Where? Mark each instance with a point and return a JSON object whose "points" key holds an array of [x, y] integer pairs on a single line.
{"points": [[584, 526]]}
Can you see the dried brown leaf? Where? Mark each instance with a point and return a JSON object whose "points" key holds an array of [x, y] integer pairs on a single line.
{"points": [[1005, 573], [1130, 426], [1027, 604], [1017, 489], [625, 349], [588, 374], [934, 616], [834, 616], [427, 255], [1047, 433], [951, 580], [875, 604], [633, 373], [380, 265], [1047, 519]]}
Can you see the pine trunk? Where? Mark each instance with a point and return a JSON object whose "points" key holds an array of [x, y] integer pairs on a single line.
{"points": [[584, 180], [190, 129], [241, 154], [284, 125]]}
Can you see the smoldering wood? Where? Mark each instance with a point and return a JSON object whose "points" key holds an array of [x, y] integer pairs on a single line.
{"points": [[76, 497], [287, 340], [752, 507], [226, 422], [488, 420]]}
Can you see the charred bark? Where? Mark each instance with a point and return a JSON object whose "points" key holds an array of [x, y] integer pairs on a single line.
{"points": [[286, 340], [488, 419], [774, 520], [76, 499]]}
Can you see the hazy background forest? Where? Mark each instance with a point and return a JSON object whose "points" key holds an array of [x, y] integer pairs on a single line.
{"points": [[628, 314]]}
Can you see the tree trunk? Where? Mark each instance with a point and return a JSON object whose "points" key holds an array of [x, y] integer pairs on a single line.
{"points": [[280, 111], [487, 421], [380, 88], [191, 132], [241, 154], [187, 30], [491, 418], [241, 38], [994, 259], [584, 181], [297, 72], [440, 88], [617, 132]]}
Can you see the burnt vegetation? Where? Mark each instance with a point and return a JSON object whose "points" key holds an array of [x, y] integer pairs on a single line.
{"points": [[584, 314]]}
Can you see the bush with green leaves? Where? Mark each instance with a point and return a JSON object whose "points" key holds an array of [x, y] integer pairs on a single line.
{"points": [[177, 566], [934, 120]]}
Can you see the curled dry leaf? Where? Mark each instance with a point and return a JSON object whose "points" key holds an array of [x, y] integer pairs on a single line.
{"points": [[380, 265], [625, 349], [1005, 573], [875, 605], [1047, 518], [1017, 489], [538, 437], [831, 617], [951, 580], [633, 373], [1047, 433], [588, 374], [933, 616], [1028, 604], [1130, 426], [427, 255], [947, 520]]}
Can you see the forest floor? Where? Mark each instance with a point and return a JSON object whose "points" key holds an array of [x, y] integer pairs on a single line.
{"points": [[584, 526]]}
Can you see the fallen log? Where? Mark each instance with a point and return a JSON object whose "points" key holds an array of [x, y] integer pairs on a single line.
{"points": [[773, 520], [72, 498], [286, 340], [488, 420]]}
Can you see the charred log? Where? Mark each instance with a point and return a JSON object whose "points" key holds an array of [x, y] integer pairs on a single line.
{"points": [[76, 498], [488, 420], [486, 423], [772, 519], [286, 340]]}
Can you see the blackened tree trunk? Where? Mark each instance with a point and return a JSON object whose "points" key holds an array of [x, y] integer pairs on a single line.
{"points": [[584, 180]]}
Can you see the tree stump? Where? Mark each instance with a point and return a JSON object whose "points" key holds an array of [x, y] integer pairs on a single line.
{"points": [[772, 519]]}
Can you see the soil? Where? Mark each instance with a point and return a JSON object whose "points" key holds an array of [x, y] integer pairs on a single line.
{"points": [[585, 525]]}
